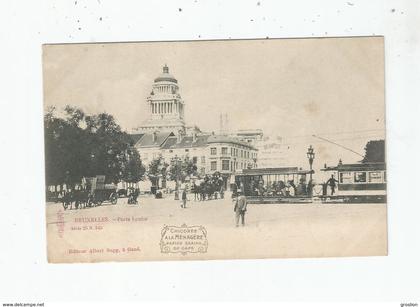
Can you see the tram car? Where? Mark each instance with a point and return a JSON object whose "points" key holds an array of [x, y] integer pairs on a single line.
{"points": [[355, 183], [274, 185]]}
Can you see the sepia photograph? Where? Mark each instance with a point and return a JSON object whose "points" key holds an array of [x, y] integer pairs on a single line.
{"points": [[215, 149]]}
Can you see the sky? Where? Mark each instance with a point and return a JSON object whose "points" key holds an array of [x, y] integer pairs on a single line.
{"points": [[294, 88]]}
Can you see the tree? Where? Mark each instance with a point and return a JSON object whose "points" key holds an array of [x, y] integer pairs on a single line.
{"points": [[374, 151], [179, 169], [79, 146], [157, 168], [108, 146], [133, 170], [65, 153]]}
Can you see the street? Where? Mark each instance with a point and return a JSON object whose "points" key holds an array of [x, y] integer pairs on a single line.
{"points": [[271, 230]]}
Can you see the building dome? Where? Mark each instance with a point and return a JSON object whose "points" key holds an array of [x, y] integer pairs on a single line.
{"points": [[166, 76]]}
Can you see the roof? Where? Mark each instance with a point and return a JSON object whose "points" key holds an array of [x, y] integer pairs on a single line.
{"points": [[249, 132], [166, 76], [227, 139], [372, 166], [148, 139], [186, 142], [136, 137], [275, 171]]}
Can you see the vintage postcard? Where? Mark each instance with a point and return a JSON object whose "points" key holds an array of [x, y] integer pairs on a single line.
{"points": [[224, 149]]}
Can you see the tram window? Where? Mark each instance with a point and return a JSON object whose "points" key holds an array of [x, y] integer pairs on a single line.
{"points": [[345, 177], [359, 176], [375, 177]]}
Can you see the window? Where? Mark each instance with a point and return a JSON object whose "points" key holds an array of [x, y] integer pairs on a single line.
{"points": [[224, 150], [345, 177], [171, 151], [195, 160], [360, 177], [384, 176], [187, 150], [213, 151], [213, 165], [203, 159], [225, 165], [375, 177]]}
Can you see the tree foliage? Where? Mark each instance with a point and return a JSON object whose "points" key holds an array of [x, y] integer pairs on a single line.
{"points": [[157, 168], [78, 146], [180, 168], [374, 151]]}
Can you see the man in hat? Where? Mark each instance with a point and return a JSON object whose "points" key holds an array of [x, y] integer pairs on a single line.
{"points": [[240, 208]]}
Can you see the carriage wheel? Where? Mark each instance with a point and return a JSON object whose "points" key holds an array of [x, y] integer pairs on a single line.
{"points": [[65, 205], [114, 201]]}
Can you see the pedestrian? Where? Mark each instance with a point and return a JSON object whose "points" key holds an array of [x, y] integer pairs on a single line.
{"points": [[331, 182], [240, 208], [195, 190], [184, 199]]}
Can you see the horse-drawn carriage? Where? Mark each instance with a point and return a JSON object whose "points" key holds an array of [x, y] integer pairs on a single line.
{"points": [[100, 196], [91, 193]]}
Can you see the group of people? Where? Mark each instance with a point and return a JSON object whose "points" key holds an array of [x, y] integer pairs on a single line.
{"points": [[280, 188]]}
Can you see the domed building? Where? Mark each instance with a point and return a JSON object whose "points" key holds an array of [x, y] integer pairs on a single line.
{"points": [[165, 134], [165, 106]]}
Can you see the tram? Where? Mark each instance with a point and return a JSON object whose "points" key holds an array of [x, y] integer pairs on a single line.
{"points": [[355, 183], [274, 185]]}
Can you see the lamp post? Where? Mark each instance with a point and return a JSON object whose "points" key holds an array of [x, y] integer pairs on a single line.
{"points": [[177, 164], [311, 156]]}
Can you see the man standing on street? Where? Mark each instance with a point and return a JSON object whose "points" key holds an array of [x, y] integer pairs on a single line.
{"points": [[184, 199], [240, 208]]}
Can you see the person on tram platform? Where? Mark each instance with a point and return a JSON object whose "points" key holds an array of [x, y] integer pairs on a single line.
{"points": [[332, 184]]}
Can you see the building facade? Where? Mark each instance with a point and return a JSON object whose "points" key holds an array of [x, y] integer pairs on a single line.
{"points": [[227, 155]]}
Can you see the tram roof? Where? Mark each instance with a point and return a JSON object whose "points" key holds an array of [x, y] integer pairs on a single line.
{"points": [[275, 171], [372, 166]]}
